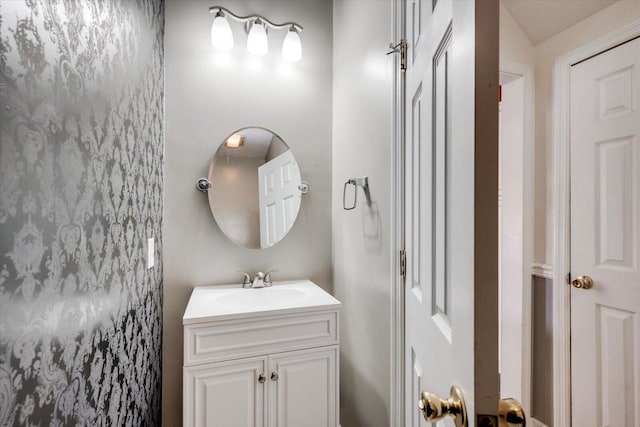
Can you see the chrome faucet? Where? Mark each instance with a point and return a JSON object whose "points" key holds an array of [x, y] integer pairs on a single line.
{"points": [[260, 280], [246, 280]]}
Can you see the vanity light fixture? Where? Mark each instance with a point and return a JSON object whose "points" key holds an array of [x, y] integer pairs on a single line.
{"points": [[256, 26], [234, 141], [257, 43], [221, 35], [292, 47]]}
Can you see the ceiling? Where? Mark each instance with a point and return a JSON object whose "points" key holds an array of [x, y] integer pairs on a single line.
{"points": [[542, 19], [256, 144]]}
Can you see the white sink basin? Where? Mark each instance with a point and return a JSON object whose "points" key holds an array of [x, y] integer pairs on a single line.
{"points": [[222, 302], [261, 297]]}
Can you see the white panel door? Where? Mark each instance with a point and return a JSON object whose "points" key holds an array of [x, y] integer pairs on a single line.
{"points": [[225, 394], [605, 238], [440, 212], [303, 388], [279, 197]]}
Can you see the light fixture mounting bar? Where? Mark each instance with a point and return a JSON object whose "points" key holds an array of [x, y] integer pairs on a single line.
{"points": [[216, 9]]}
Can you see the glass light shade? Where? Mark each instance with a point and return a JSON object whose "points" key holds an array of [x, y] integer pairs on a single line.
{"points": [[292, 47], [257, 43], [221, 36]]}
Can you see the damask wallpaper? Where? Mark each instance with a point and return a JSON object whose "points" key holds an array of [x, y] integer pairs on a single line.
{"points": [[81, 166]]}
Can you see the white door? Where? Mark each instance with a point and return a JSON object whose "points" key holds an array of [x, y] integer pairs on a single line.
{"points": [[605, 238], [279, 197], [302, 388], [451, 291], [226, 394]]}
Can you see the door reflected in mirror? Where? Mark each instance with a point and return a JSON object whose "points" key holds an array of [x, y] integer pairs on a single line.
{"points": [[255, 187]]}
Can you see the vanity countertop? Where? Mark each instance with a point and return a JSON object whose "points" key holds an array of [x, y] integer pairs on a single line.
{"points": [[223, 302]]}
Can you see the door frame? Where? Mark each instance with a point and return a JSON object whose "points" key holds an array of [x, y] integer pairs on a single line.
{"points": [[397, 148], [526, 72], [561, 213]]}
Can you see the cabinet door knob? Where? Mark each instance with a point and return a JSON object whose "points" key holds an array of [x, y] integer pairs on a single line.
{"points": [[262, 378], [274, 376]]}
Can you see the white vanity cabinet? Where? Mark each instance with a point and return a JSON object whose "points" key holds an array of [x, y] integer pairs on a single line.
{"points": [[272, 362], [225, 394], [305, 391]]}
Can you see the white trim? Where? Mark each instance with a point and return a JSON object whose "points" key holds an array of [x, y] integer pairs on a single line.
{"points": [[544, 271], [561, 213], [397, 222], [527, 73]]}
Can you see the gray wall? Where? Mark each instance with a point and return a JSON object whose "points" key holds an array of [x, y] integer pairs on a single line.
{"points": [[81, 152], [208, 95], [542, 360], [362, 102]]}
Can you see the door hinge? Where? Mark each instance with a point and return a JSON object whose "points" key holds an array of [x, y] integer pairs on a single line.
{"points": [[403, 263], [400, 48]]}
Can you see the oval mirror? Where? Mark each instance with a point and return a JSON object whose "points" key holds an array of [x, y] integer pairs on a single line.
{"points": [[255, 187]]}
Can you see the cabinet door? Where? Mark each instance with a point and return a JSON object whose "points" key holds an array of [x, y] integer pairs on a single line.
{"points": [[225, 394], [304, 390]]}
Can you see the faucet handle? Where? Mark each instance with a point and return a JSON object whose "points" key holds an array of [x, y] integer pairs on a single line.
{"points": [[246, 280], [267, 277]]}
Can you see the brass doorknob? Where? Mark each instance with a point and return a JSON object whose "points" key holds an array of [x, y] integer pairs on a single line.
{"points": [[434, 408], [511, 414], [582, 282]]}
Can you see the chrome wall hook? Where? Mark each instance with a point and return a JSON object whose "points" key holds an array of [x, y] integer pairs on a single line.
{"points": [[356, 182]]}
